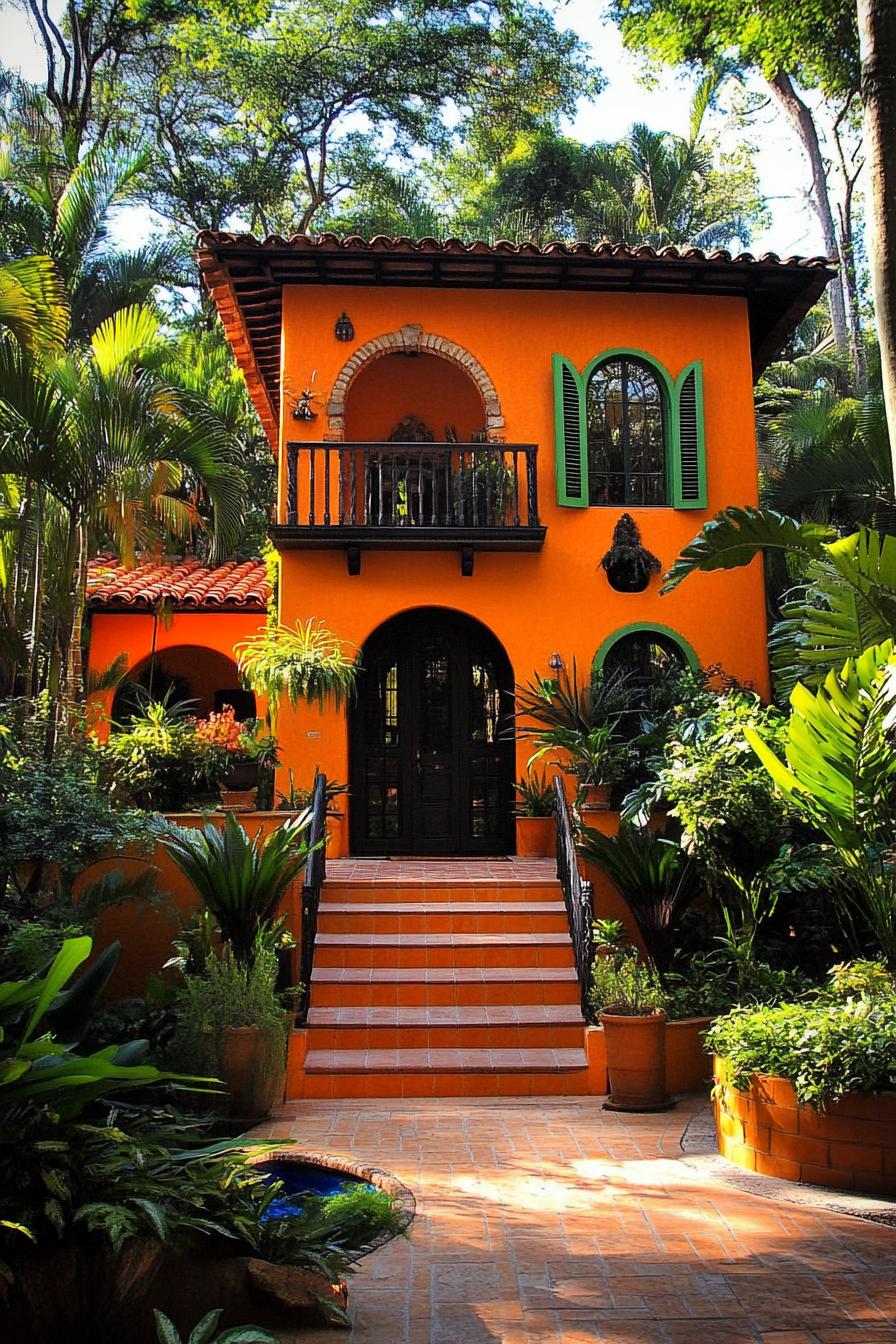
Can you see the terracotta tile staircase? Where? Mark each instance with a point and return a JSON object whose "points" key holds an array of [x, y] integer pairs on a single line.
{"points": [[431, 980]]}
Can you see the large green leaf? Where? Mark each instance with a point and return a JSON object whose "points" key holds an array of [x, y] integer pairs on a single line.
{"points": [[735, 536]]}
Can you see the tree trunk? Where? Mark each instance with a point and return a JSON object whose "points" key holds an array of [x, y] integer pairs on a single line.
{"points": [[877, 41], [74, 672], [802, 119]]}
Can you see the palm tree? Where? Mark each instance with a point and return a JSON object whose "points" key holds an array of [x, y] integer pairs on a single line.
{"points": [[47, 208], [102, 444]]}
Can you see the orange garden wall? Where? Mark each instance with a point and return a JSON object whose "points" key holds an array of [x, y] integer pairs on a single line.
{"points": [[850, 1145], [557, 599]]}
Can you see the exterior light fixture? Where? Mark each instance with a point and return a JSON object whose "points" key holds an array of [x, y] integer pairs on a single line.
{"points": [[344, 329], [555, 662]]}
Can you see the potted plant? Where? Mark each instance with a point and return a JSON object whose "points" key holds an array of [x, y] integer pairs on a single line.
{"points": [[231, 1025], [561, 717], [626, 996], [536, 830], [600, 761], [241, 881], [239, 751]]}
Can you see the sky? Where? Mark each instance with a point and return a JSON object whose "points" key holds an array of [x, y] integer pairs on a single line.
{"points": [[782, 171]]}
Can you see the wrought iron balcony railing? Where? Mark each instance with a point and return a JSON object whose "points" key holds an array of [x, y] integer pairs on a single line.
{"points": [[403, 495]]}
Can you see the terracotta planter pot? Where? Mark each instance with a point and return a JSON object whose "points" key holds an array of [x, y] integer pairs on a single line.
{"points": [[337, 836], [238, 800], [536, 837], [254, 1077], [597, 796], [636, 1061]]}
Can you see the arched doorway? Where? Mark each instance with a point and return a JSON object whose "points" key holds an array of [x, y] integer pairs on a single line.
{"points": [[431, 754]]}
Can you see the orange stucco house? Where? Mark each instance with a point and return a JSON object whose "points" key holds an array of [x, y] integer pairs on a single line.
{"points": [[459, 430]]}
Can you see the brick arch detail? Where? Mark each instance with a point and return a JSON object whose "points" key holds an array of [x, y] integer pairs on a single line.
{"points": [[413, 340]]}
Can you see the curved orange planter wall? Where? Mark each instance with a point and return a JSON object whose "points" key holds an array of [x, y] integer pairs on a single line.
{"points": [[850, 1145]]}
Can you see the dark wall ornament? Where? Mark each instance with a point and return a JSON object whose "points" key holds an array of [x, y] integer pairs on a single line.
{"points": [[344, 329], [628, 564]]}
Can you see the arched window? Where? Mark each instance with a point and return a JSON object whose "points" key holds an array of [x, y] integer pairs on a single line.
{"points": [[626, 430], [645, 656]]}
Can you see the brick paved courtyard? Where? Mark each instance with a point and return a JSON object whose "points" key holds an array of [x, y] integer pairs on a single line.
{"points": [[542, 1220]]}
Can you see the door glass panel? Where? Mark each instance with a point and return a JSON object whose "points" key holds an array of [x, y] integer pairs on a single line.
{"points": [[382, 704], [485, 702], [435, 700]]}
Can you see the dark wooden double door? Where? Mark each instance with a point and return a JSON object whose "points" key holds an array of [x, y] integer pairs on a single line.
{"points": [[431, 755]]}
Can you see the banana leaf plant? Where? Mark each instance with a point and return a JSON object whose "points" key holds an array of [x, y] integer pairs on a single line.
{"points": [[42, 1021], [844, 603], [840, 771]]}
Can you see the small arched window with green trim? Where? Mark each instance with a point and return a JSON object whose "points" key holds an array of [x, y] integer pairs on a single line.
{"points": [[627, 434]]}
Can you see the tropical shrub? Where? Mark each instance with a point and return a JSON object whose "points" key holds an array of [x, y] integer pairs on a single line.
{"points": [[839, 770], [42, 1021], [57, 816], [241, 880], [838, 1042], [655, 877]]}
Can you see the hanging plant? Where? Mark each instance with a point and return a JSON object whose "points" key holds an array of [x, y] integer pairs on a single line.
{"points": [[306, 662], [628, 564]]}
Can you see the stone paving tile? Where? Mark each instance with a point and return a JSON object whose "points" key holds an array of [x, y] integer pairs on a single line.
{"points": [[543, 1221]]}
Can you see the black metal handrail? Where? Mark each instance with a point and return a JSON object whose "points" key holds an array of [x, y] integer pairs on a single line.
{"points": [[424, 485], [315, 873], [576, 893]]}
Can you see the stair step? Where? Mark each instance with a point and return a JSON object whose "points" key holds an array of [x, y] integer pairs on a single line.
{"points": [[443, 949], [404, 892], [525, 1026], [445, 1061], [443, 917], [442, 986]]}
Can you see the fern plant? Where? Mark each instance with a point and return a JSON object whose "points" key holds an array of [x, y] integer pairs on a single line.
{"points": [[305, 662]]}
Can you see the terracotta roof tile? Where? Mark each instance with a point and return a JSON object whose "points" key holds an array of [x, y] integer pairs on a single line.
{"points": [[246, 275], [190, 585]]}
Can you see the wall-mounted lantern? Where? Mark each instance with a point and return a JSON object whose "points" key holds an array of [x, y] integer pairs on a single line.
{"points": [[344, 329], [555, 663]]}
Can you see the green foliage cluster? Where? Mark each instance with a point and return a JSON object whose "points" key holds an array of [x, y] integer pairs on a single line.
{"points": [[728, 809], [623, 984], [843, 1040], [207, 1332], [77, 1164], [157, 761], [58, 812]]}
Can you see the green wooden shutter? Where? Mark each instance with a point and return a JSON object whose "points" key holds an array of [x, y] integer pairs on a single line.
{"points": [[689, 448], [570, 443]]}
